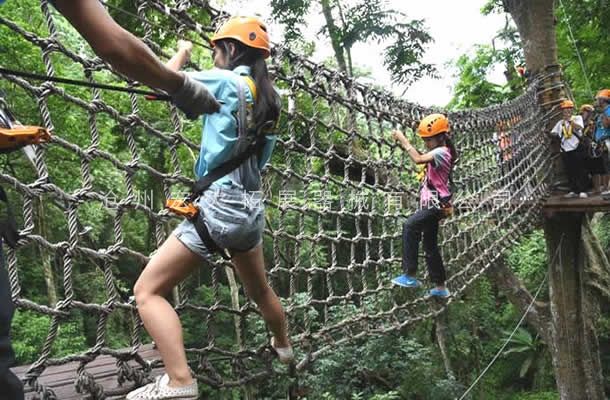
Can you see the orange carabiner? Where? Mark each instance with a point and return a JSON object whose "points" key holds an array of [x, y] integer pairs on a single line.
{"points": [[182, 208], [19, 136]]}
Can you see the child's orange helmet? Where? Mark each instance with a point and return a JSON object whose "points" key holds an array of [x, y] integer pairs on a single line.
{"points": [[566, 104], [603, 94], [432, 125], [250, 31]]}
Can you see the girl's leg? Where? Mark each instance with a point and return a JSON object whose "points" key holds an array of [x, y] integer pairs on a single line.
{"points": [[411, 235], [596, 183], [250, 268], [569, 159], [436, 268], [169, 266], [582, 173]]}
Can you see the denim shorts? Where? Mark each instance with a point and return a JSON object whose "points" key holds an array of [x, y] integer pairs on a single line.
{"points": [[235, 219]]}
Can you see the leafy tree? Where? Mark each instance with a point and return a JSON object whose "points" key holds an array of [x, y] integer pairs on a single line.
{"points": [[350, 22], [588, 23], [473, 89]]}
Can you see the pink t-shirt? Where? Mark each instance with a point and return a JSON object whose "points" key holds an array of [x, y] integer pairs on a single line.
{"points": [[436, 181]]}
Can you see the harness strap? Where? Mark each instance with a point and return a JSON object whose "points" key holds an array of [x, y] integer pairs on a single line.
{"points": [[206, 181], [250, 141], [206, 238], [445, 201], [250, 82]]}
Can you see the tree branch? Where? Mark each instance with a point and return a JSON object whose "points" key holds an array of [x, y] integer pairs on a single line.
{"points": [[538, 316]]}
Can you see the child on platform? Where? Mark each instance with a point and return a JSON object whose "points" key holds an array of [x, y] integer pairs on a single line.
{"points": [[569, 130]]}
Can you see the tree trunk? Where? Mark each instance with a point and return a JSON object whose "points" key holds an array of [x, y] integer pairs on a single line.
{"points": [[573, 301], [332, 33], [536, 24], [441, 340], [574, 346], [538, 316]]}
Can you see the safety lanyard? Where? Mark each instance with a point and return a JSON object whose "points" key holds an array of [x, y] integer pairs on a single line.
{"points": [[567, 133]]}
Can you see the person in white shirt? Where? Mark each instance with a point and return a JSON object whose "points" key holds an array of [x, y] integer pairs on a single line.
{"points": [[569, 130]]}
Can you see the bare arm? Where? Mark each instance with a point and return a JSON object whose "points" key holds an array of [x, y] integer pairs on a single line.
{"points": [[125, 52], [411, 151], [182, 56]]}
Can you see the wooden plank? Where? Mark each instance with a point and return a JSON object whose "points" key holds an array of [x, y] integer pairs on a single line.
{"points": [[61, 378], [557, 203], [146, 351]]}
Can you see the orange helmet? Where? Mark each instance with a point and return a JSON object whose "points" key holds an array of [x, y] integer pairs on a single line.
{"points": [[432, 125], [603, 94], [566, 104], [250, 31], [587, 107]]}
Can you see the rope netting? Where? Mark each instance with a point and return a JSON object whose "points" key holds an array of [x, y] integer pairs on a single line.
{"points": [[336, 192]]}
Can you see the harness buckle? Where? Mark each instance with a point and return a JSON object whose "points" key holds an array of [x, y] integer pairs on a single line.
{"points": [[182, 208]]}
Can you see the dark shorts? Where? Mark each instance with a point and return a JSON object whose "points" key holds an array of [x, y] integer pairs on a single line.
{"points": [[234, 218], [598, 165]]}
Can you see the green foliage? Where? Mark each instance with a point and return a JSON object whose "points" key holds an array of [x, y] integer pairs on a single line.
{"points": [[523, 343], [362, 21], [492, 6], [386, 367], [588, 21], [473, 89], [528, 259], [29, 331]]}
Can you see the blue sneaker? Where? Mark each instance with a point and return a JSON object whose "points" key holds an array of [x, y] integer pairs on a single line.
{"points": [[439, 292], [406, 281]]}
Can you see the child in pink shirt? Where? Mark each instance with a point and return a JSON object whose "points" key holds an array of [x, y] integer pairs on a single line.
{"points": [[435, 202]]}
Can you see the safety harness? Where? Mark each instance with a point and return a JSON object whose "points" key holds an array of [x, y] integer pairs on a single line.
{"points": [[14, 136], [251, 141], [444, 202], [584, 142]]}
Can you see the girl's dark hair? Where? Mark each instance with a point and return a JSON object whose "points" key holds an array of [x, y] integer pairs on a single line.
{"points": [[449, 143], [268, 104]]}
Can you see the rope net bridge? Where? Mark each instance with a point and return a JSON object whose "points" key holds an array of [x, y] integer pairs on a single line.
{"points": [[335, 194]]}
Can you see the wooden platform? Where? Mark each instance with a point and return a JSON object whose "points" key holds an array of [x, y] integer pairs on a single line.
{"points": [[557, 203], [61, 378]]}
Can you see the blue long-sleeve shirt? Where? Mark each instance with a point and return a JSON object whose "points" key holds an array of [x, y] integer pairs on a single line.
{"points": [[601, 132]]}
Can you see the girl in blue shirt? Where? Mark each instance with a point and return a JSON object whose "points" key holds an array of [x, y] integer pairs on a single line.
{"points": [[233, 220], [602, 139]]}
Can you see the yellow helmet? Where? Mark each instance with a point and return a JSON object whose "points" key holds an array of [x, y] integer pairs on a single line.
{"points": [[432, 125], [566, 104]]}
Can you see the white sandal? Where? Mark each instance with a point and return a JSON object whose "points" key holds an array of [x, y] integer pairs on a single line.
{"points": [[160, 389]]}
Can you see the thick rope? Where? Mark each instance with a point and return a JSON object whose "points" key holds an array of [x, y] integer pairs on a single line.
{"points": [[336, 192]]}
